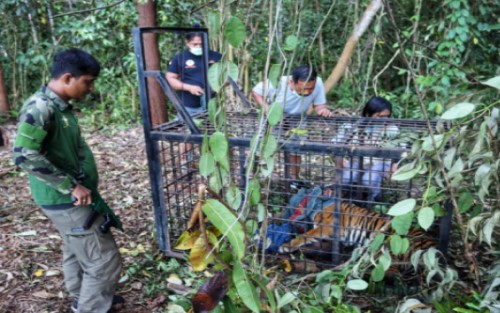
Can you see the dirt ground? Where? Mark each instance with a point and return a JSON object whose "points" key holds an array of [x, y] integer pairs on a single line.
{"points": [[31, 278]]}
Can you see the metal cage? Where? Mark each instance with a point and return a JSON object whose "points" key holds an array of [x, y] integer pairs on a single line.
{"points": [[344, 160]]}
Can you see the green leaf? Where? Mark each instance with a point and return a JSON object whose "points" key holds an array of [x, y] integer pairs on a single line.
{"points": [[427, 144], [405, 245], [214, 76], [406, 172], [493, 82], [286, 299], [482, 171], [212, 110], [291, 42], [213, 22], [246, 290], [457, 168], [207, 164], [274, 114], [357, 284], [377, 242], [254, 191], [378, 273], [268, 169], [402, 223], [465, 201], [458, 111], [234, 31], [269, 295], [232, 70], [402, 207], [218, 145], [233, 197], [274, 74], [270, 147], [215, 182], [225, 220], [426, 217], [396, 243], [385, 260]]}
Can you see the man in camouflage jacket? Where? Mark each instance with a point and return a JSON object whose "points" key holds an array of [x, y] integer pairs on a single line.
{"points": [[50, 147]]}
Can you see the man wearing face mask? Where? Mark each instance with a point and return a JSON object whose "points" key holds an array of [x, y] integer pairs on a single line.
{"points": [[295, 94], [185, 73]]}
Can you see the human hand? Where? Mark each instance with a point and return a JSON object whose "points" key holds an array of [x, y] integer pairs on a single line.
{"points": [[83, 195], [325, 113], [195, 90]]}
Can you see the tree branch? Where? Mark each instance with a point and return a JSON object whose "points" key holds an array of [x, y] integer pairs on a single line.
{"points": [[89, 10]]}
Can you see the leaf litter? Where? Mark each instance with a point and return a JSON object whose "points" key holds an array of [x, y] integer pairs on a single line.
{"points": [[31, 274]]}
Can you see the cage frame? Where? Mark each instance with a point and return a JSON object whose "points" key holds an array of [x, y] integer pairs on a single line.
{"points": [[154, 135]]}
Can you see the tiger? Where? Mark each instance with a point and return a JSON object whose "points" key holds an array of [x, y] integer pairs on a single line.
{"points": [[358, 226]]}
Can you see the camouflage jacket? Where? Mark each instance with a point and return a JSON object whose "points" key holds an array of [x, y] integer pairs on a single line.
{"points": [[49, 146]]}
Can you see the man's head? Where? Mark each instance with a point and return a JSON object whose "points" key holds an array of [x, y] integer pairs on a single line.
{"points": [[303, 80], [75, 72]]}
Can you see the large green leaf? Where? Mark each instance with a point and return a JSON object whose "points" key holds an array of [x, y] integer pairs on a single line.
{"points": [[377, 242], [465, 201], [212, 110], [207, 164], [274, 74], [291, 42], [214, 76], [254, 191], [402, 223], [234, 31], [218, 145], [213, 22], [232, 70], [246, 290], [378, 273], [396, 244], [226, 222], [426, 217], [493, 82], [233, 197], [270, 147], [458, 111], [427, 144], [402, 207], [274, 114]]}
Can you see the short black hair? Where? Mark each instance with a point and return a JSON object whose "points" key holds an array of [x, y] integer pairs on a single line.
{"points": [[375, 105], [76, 62], [191, 35], [304, 73]]}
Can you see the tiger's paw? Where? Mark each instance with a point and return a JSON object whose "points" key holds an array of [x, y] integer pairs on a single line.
{"points": [[287, 248]]}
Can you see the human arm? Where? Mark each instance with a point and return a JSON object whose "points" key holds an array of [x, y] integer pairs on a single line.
{"points": [[174, 81], [319, 100], [258, 94], [259, 99]]}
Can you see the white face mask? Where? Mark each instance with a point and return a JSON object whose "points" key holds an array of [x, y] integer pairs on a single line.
{"points": [[295, 93], [196, 51]]}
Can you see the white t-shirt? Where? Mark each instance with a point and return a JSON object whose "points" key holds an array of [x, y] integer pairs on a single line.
{"points": [[292, 103]]}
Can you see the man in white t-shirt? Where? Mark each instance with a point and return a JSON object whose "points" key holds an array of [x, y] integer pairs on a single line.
{"points": [[295, 94]]}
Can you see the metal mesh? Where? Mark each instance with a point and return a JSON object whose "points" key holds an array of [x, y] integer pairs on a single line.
{"points": [[348, 159]]}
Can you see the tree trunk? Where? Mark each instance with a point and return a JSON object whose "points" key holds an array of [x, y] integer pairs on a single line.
{"points": [[4, 100], [348, 51], [157, 104]]}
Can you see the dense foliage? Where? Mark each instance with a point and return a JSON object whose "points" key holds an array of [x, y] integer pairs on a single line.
{"points": [[450, 47]]}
